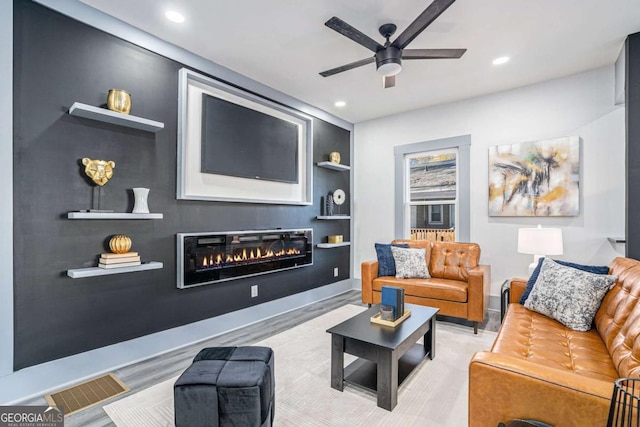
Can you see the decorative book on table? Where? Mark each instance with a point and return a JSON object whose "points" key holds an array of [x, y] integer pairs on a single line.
{"points": [[394, 297], [128, 259]]}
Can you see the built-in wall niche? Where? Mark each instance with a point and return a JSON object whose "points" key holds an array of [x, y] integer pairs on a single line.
{"points": [[235, 146]]}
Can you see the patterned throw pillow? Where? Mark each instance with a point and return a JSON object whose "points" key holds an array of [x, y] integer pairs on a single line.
{"points": [[410, 263], [595, 269], [570, 296], [386, 264]]}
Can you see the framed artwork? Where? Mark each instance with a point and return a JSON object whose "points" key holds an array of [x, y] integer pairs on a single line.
{"points": [[538, 178], [235, 146]]}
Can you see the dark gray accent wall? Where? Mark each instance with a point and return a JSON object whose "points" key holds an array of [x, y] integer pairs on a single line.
{"points": [[58, 61], [632, 101]]}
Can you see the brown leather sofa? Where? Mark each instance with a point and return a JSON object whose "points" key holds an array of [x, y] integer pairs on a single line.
{"points": [[539, 369], [458, 286]]}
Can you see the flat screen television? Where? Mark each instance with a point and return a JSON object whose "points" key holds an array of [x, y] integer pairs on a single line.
{"points": [[242, 142]]}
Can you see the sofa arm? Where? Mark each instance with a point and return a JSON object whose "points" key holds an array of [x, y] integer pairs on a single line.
{"points": [[516, 289], [503, 388], [369, 272], [478, 292]]}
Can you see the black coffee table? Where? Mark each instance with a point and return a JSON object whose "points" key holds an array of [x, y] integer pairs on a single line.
{"points": [[386, 355]]}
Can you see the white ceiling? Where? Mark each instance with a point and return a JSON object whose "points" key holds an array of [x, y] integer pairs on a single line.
{"points": [[284, 44]]}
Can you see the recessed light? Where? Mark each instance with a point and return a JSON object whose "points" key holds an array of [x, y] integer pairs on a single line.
{"points": [[174, 16], [340, 104], [501, 60]]}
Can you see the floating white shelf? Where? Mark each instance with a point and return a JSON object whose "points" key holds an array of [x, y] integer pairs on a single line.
{"points": [[332, 245], [334, 166], [333, 217], [113, 215], [79, 273], [102, 114], [617, 239]]}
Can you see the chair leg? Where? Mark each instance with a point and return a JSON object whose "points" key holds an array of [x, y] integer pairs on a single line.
{"points": [[475, 328], [369, 305]]}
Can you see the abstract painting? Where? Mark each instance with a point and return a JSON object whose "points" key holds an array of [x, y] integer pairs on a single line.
{"points": [[539, 178]]}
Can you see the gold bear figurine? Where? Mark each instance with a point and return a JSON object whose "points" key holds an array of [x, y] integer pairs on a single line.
{"points": [[100, 171]]}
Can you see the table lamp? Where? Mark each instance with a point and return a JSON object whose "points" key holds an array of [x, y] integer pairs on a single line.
{"points": [[539, 242]]}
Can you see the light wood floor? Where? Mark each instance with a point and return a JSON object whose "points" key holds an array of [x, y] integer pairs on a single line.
{"points": [[142, 375]]}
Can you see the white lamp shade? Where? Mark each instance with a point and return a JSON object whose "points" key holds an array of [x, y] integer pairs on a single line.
{"points": [[540, 241]]}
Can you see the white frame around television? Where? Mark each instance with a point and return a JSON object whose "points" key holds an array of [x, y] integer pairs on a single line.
{"points": [[192, 184]]}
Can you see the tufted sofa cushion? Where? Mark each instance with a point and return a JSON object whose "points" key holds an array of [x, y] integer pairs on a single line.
{"points": [[453, 260], [441, 289], [530, 336], [618, 319], [620, 301]]}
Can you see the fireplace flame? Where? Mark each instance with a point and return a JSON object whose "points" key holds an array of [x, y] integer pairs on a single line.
{"points": [[211, 261]]}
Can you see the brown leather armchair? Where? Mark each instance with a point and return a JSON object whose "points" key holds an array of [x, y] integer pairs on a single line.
{"points": [[458, 286]]}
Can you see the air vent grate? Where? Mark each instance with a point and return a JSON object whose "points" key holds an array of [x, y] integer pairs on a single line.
{"points": [[87, 394]]}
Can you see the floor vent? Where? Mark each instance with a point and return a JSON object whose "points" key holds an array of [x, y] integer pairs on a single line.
{"points": [[87, 394]]}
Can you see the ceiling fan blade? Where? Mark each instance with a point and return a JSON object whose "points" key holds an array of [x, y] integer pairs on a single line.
{"points": [[432, 53], [388, 81], [429, 15], [357, 36], [346, 67]]}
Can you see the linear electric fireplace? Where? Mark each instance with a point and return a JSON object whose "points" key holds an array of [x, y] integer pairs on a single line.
{"points": [[205, 258]]}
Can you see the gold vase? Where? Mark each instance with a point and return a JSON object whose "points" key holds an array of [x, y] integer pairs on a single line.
{"points": [[119, 100], [120, 244], [336, 238], [334, 157]]}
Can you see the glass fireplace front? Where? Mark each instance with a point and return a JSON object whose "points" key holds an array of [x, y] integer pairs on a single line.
{"points": [[205, 258]]}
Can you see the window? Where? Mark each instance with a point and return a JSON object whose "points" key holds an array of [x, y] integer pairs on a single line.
{"points": [[408, 212], [432, 178], [435, 214]]}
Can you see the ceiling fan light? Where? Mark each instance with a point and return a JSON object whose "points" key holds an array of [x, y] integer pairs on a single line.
{"points": [[388, 61], [389, 69]]}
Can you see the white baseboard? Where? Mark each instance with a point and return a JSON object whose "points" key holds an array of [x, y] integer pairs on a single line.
{"points": [[38, 380]]}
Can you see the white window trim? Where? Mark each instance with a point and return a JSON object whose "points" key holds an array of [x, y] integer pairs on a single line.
{"points": [[463, 218]]}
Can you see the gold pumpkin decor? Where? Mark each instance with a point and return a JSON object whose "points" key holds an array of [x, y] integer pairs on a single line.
{"points": [[120, 244], [334, 157]]}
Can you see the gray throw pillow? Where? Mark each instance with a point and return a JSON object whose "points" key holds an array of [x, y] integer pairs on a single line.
{"points": [[410, 263], [568, 295]]}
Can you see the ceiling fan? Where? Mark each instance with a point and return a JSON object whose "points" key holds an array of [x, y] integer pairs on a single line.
{"points": [[388, 58]]}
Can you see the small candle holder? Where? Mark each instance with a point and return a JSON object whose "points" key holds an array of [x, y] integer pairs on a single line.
{"points": [[386, 313]]}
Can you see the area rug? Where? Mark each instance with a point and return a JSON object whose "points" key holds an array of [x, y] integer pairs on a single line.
{"points": [[435, 394]]}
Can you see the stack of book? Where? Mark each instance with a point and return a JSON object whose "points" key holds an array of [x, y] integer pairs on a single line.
{"points": [[394, 296], [128, 259]]}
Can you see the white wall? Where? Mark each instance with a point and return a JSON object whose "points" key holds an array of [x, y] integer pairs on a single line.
{"points": [[6, 188], [581, 104]]}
